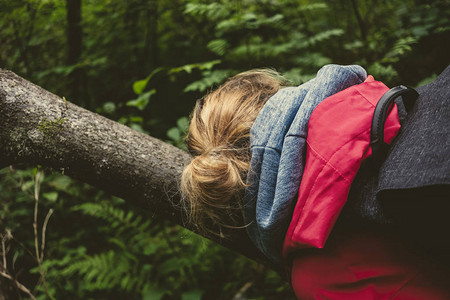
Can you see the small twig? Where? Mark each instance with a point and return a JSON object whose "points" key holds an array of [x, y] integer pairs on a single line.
{"points": [[18, 284], [44, 229], [3, 252], [39, 256], [4, 271], [37, 185], [240, 294], [5, 237], [260, 271], [4, 267]]}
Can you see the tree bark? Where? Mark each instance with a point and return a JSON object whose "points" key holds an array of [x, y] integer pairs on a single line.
{"points": [[39, 127]]}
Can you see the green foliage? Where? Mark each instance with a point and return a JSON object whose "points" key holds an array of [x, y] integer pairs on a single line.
{"points": [[105, 249], [142, 101], [190, 67], [177, 134], [139, 86], [427, 80], [401, 47], [145, 68], [209, 79]]}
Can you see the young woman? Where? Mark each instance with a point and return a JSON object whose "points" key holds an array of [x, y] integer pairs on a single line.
{"points": [[280, 161]]}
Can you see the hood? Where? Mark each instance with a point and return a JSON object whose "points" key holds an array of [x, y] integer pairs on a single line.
{"points": [[278, 146]]}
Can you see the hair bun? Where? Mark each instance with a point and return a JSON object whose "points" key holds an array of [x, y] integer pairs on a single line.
{"points": [[218, 174], [215, 180]]}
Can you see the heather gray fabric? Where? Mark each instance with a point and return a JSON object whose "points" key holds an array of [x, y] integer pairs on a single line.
{"points": [[412, 188], [420, 155], [278, 144]]}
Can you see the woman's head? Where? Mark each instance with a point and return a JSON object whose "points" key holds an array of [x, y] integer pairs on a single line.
{"points": [[219, 141]]}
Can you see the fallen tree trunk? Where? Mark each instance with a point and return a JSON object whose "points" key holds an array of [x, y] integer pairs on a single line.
{"points": [[39, 127]]}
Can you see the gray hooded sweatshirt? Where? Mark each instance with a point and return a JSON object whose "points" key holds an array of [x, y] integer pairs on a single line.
{"points": [[278, 145]]}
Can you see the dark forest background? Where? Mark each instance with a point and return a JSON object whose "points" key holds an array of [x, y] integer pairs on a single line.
{"points": [[144, 63]]}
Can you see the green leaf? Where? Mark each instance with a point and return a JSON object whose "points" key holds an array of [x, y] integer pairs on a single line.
{"points": [[109, 107], [149, 249], [137, 127], [51, 196], [183, 124], [209, 79], [201, 66], [123, 120], [313, 6], [96, 62], [27, 185], [139, 86], [382, 72], [124, 282], [61, 183], [142, 101], [419, 31], [192, 295], [153, 293], [400, 48], [427, 80], [174, 134], [170, 265], [218, 46], [136, 119], [356, 44], [325, 35], [120, 243]]}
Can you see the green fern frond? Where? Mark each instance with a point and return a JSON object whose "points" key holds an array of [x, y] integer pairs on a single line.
{"points": [[115, 217], [109, 270]]}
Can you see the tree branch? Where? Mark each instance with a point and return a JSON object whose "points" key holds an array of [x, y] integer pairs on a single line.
{"points": [[39, 127]]}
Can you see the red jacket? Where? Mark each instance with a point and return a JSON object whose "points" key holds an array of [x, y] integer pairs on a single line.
{"points": [[354, 263]]}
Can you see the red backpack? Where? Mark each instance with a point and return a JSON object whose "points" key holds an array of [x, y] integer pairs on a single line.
{"points": [[350, 127], [344, 130]]}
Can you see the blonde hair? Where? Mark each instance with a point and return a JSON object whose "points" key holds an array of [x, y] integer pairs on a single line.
{"points": [[214, 182]]}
